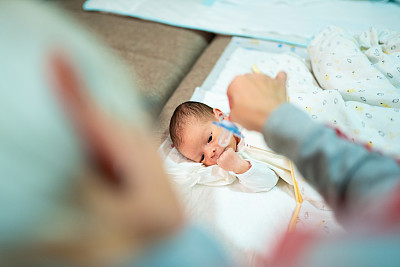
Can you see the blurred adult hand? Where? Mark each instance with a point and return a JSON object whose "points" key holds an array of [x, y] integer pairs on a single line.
{"points": [[252, 98]]}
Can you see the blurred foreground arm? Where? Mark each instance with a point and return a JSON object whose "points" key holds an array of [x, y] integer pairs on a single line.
{"points": [[353, 180]]}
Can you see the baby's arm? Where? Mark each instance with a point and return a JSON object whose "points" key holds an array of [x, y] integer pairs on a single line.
{"points": [[259, 178], [254, 175]]}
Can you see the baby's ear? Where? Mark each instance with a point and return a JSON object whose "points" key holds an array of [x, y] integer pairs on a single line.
{"points": [[217, 113]]}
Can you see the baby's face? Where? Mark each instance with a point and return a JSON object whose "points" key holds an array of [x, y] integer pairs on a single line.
{"points": [[200, 142]]}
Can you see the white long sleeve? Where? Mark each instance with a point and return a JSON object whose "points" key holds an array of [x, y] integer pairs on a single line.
{"points": [[259, 178]]}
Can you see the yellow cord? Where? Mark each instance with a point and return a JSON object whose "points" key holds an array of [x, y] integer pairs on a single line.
{"points": [[299, 198]]}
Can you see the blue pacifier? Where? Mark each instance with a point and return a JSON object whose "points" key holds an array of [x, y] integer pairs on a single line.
{"points": [[228, 129]]}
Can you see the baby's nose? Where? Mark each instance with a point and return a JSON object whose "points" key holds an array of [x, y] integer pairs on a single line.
{"points": [[211, 152]]}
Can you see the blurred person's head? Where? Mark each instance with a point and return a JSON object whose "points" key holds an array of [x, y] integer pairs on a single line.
{"points": [[195, 136], [44, 208]]}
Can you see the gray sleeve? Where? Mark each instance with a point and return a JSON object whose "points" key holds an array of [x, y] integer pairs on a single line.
{"points": [[345, 174]]}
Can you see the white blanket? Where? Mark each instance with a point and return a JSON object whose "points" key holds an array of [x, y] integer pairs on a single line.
{"points": [[294, 22], [360, 81]]}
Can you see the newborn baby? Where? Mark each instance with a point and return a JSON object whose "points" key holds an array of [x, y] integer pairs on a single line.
{"points": [[196, 137]]}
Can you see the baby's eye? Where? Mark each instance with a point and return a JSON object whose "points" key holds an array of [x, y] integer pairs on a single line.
{"points": [[202, 158], [209, 138]]}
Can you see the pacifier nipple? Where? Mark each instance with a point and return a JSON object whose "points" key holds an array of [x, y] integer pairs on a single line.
{"points": [[224, 137], [228, 130]]}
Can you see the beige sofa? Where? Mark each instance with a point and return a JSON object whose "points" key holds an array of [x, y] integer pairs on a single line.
{"points": [[167, 62]]}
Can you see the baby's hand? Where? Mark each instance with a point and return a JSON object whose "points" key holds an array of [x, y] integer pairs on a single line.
{"points": [[230, 161]]}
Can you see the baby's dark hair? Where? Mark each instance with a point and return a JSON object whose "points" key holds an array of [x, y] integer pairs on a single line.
{"points": [[182, 114]]}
